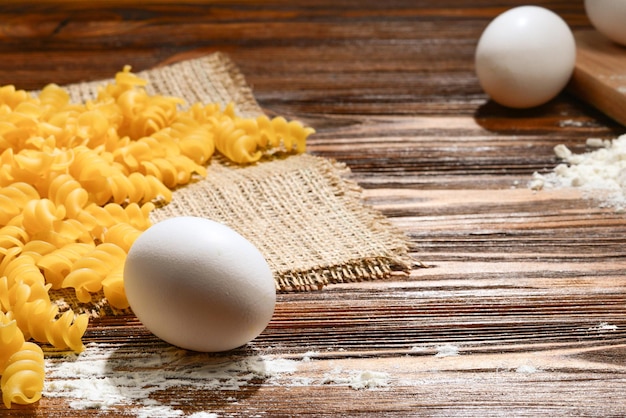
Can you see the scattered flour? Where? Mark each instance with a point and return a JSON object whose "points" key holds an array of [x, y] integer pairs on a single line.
{"points": [[527, 369], [367, 379], [600, 173], [604, 326], [447, 350], [102, 378], [572, 122], [307, 356]]}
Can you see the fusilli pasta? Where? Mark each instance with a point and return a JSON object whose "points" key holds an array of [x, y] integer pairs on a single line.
{"points": [[12, 338], [88, 272], [77, 184], [21, 365], [23, 378]]}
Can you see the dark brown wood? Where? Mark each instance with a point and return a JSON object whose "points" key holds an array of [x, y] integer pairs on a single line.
{"points": [[516, 277]]}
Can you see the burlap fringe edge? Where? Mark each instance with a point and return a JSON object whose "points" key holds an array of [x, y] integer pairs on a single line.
{"points": [[358, 271], [397, 263]]}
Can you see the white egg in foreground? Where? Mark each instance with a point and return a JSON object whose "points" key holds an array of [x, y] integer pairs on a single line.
{"points": [[525, 57], [199, 285]]}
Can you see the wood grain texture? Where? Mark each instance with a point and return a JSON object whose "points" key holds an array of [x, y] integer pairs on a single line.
{"points": [[530, 286], [600, 74]]}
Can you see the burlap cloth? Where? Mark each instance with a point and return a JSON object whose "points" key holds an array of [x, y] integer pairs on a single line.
{"points": [[302, 212]]}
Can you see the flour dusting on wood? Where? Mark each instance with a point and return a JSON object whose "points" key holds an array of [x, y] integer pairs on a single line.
{"points": [[106, 377], [103, 378], [447, 350], [357, 379], [600, 173]]}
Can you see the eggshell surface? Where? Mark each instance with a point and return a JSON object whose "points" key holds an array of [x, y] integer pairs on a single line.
{"points": [[609, 18], [525, 57], [199, 285]]}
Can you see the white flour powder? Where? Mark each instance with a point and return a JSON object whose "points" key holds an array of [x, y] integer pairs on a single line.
{"points": [[604, 326], [601, 173], [357, 379], [527, 369], [447, 350], [103, 377]]}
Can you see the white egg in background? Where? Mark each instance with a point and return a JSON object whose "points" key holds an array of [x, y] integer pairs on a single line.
{"points": [[609, 18], [199, 285], [525, 57]]}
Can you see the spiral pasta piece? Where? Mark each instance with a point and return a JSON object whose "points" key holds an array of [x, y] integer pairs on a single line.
{"points": [[12, 236], [21, 365], [150, 187], [23, 378], [123, 235], [70, 229], [37, 249], [23, 269], [233, 142], [53, 97], [247, 140], [5, 299], [90, 270], [38, 319], [16, 293], [17, 128], [136, 152], [139, 215], [113, 287], [92, 169], [172, 171], [152, 117], [196, 140], [40, 215], [14, 198], [278, 132], [57, 264], [113, 214], [7, 256], [11, 97], [66, 191], [11, 339], [92, 126]]}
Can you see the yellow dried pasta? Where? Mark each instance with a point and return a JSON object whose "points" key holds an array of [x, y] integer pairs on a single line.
{"points": [[21, 365], [88, 272], [11, 337], [77, 184], [57, 264], [246, 140], [39, 319], [23, 378], [13, 199], [113, 288]]}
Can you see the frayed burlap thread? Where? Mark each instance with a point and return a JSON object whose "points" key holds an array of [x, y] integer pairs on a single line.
{"points": [[302, 212]]}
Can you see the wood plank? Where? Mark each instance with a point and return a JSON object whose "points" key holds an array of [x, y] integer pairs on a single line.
{"points": [[600, 73], [527, 286]]}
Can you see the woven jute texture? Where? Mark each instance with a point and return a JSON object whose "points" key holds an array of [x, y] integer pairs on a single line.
{"points": [[302, 212]]}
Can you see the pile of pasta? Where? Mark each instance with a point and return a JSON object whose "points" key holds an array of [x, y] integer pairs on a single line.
{"points": [[77, 185]]}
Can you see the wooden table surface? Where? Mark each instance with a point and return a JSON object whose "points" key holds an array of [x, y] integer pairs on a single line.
{"points": [[526, 290]]}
